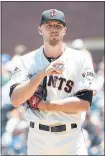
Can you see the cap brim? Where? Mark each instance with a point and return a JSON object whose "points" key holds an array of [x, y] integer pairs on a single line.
{"points": [[53, 20]]}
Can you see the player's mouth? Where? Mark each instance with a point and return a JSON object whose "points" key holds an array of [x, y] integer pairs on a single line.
{"points": [[54, 34]]}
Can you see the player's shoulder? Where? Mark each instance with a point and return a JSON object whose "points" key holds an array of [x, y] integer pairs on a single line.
{"points": [[31, 54], [76, 54], [29, 59]]}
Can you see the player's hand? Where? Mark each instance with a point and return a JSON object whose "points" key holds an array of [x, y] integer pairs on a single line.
{"points": [[43, 105], [56, 67]]}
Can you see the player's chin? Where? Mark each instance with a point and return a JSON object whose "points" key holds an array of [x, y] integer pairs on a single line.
{"points": [[54, 41]]}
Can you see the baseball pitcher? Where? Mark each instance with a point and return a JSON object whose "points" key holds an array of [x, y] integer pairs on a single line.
{"points": [[56, 84]]}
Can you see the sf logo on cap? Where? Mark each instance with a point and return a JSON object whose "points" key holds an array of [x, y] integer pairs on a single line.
{"points": [[52, 13]]}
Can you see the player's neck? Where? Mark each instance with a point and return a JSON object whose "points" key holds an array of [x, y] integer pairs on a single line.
{"points": [[54, 51]]}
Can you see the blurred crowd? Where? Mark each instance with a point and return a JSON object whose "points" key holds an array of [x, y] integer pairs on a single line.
{"points": [[14, 127]]}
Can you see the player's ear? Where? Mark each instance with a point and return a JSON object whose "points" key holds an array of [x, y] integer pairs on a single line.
{"points": [[65, 30], [40, 30]]}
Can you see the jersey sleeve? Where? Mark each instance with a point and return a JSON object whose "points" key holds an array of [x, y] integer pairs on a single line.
{"points": [[20, 73], [85, 78]]}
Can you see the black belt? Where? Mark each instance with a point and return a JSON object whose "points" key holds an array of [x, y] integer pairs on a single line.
{"points": [[53, 128]]}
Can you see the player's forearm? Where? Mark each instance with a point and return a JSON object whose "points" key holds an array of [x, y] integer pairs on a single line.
{"points": [[24, 91], [68, 105]]}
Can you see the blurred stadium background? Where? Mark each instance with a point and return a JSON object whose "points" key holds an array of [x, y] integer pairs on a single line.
{"points": [[19, 34]]}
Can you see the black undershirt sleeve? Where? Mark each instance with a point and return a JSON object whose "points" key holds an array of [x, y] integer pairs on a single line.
{"points": [[85, 95]]}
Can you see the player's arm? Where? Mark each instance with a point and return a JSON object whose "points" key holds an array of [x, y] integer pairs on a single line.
{"points": [[78, 103], [20, 93], [81, 101]]}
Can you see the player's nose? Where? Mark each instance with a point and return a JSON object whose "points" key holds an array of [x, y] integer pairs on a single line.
{"points": [[54, 30]]}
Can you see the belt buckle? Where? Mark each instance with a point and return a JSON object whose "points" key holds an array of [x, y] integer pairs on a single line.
{"points": [[51, 127]]}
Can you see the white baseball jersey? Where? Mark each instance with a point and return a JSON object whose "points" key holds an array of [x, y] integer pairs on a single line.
{"points": [[78, 75]]}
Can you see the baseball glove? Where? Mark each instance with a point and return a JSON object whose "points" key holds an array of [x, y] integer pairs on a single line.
{"points": [[40, 94]]}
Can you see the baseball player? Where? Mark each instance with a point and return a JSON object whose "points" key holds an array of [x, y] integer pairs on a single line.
{"points": [[56, 84]]}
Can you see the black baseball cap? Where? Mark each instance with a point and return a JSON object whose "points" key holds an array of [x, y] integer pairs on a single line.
{"points": [[53, 14]]}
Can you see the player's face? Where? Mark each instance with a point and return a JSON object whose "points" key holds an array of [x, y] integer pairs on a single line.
{"points": [[52, 32]]}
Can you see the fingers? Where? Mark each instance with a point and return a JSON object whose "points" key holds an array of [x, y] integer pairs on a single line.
{"points": [[57, 62], [43, 105], [55, 72]]}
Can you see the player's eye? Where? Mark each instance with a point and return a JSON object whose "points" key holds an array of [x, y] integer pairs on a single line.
{"points": [[59, 26], [49, 26]]}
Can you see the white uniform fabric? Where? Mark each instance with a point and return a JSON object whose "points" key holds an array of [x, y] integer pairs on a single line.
{"points": [[59, 143], [78, 75]]}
